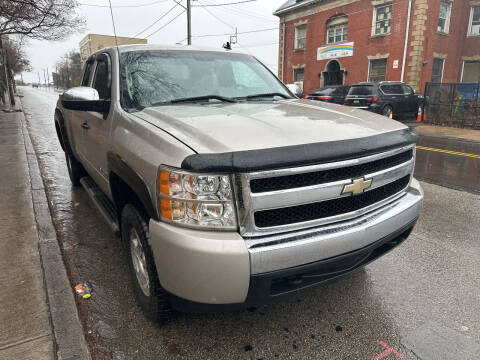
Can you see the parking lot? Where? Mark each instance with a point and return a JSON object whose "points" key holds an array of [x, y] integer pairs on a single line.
{"points": [[418, 301]]}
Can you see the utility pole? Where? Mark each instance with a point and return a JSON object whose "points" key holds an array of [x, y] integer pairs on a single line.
{"points": [[48, 79], [189, 22]]}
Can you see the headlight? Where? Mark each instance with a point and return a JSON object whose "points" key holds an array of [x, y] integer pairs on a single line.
{"points": [[196, 200]]}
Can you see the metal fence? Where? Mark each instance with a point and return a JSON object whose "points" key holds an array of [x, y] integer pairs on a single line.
{"points": [[452, 104]]}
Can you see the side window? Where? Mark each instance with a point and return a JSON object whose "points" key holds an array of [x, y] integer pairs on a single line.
{"points": [[407, 90], [87, 73], [392, 89], [101, 81]]}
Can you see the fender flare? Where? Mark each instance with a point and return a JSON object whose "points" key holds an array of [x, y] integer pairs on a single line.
{"points": [[134, 180]]}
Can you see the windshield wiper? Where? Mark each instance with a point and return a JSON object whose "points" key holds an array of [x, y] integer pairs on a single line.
{"points": [[204, 98], [249, 97]]}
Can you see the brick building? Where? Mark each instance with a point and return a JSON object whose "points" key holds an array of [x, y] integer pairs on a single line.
{"points": [[324, 42], [93, 42]]}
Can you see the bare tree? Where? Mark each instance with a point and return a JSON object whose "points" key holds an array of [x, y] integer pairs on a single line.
{"points": [[68, 70], [40, 19]]}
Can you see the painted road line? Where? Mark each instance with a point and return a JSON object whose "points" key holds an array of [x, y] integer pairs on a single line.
{"points": [[448, 152]]}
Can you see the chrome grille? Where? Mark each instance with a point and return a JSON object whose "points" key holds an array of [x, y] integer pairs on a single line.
{"points": [[289, 199]]}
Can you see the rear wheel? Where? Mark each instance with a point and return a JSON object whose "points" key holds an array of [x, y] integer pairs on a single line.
{"points": [[75, 169], [387, 110], [152, 298]]}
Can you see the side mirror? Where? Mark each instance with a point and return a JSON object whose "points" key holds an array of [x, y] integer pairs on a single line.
{"points": [[84, 98], [295, 89]]}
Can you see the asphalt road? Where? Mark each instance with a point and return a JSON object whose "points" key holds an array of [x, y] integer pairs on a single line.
{"points": [[420, 300]]}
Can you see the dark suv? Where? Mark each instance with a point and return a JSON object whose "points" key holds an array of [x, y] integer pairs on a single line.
{"points": [[334, 93], [385, 97]]}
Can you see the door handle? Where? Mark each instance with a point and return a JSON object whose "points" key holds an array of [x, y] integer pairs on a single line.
{"points": [[85, 126]]}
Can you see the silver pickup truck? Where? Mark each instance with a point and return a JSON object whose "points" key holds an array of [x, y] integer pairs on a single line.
{"points": [[228, 191]]}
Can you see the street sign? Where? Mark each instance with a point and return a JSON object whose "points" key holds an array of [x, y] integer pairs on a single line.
{"points": [[335, 51]]}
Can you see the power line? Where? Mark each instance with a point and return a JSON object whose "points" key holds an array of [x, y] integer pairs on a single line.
{"points": [[216, 17], [125, 6], [156, 21], [239, 33], [225, 4], [168, 23]]}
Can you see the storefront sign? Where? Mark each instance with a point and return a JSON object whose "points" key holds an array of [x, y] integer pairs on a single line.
{"points": [[335, 51]]}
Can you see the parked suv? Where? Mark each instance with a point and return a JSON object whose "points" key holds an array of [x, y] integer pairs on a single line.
{"points": [[384, 98], [334, 94], [226, 190]]}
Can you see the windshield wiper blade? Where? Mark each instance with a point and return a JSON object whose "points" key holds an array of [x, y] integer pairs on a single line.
{"points": [[202, 98], [267, 95]]}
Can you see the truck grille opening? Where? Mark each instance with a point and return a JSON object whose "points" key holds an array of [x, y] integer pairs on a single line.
{"points": [[324, 209], [326, 176]]}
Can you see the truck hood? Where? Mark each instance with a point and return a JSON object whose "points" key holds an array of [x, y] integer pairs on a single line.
{"points": [[219, 128]]}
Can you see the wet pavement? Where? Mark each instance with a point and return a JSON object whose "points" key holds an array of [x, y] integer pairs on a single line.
{"points": [[429, 282]]}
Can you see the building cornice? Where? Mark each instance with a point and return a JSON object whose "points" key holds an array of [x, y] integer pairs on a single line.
{"points": [[295, 7]]}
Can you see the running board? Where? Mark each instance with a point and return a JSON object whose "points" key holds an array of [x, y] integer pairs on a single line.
{"points": [[102, 202]]}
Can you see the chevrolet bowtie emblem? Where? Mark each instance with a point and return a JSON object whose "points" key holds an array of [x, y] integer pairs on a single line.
{"points": [[357, 187]]}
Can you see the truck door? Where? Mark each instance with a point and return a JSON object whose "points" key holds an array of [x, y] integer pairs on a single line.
{"points": [[97, 125], [76, 118]]}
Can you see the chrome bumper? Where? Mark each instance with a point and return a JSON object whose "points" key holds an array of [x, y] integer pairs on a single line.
{"points": [[297, 248]]}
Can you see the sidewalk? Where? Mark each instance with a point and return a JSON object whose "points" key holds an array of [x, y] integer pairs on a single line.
{"points": [[38, 316], [451, 132]]}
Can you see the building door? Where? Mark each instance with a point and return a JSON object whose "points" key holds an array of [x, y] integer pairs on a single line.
{"points": [[333, 75]]}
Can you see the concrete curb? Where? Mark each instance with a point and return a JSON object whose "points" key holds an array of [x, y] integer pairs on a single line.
{"points": [[67, 329]]}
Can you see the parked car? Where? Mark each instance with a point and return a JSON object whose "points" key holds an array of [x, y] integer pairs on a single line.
{"points": [[334, 94], [384, 98], [227, 191], [34, 85], [295, 90]]}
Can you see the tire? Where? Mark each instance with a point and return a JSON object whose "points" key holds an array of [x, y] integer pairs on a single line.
{"points": [[150, 295], [386, 110], [75, 169]]}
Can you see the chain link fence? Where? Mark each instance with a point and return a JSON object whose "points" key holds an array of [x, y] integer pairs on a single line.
{"points": [[452, 104]]}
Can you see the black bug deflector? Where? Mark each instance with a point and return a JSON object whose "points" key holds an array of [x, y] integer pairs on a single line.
{"points": [[298, 155]]}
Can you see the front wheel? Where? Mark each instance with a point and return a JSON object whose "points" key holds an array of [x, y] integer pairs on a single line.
{"points": [[152, 298], [75, 169]]}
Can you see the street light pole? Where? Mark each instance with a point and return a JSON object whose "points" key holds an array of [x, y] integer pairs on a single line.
{"points": [[189, 23]]}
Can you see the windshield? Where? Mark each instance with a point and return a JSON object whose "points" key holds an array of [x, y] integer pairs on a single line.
{"points": [[155, 77], [362, 90]]}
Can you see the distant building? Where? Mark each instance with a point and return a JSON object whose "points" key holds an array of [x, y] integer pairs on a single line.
{"points": [[93, 42], [327, 42]]}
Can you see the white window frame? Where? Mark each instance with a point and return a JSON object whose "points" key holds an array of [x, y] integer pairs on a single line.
{"points": [[370, 64], [333, 28], [470, 22], [463, 69], [443, 68], [296, 47], [374, 19], [295, 70], [446, 30]]}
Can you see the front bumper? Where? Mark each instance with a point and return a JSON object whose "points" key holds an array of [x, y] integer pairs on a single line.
{"points": [[201, 269]]}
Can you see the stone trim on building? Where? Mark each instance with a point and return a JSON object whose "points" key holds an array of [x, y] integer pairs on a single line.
{"points": [[415, 63], [378, 56], [439, 56]]}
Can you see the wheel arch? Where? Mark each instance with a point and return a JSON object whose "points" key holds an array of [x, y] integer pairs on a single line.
{"points": [[126, 185]]}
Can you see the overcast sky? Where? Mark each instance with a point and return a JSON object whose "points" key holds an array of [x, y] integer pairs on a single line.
{"points": [[255, 15]]}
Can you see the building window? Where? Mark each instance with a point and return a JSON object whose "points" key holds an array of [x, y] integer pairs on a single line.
{"points": [[437, 72], [298, 75], [444, 17], [378, 70], [471, 72], [382, 19], [300, 36], [474, 28], [337, 29]]}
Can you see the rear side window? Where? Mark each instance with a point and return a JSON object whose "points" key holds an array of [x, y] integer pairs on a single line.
{"points": [[362, 90], [87, 73], [395, 89], [327, 91], [102, 80]]}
